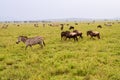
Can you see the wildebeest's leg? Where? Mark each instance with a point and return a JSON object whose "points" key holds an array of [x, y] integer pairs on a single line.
{"points": [[81, 36], [98, 36], [76, 38], [65, 38], [61, 37], [91, 37]]}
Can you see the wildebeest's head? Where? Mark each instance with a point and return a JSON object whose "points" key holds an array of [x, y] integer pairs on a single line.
{"points": [[89, 32], [21, 38]]}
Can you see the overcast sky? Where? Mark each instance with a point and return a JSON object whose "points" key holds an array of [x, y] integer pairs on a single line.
{"points": [[54, 9]]}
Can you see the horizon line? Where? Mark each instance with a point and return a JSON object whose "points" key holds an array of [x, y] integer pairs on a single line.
{"points": [[116, 18]]}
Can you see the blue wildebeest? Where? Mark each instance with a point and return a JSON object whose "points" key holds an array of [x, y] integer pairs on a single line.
{"points": [[43, 25], [79, 33], [76, 23], [99, 26], [64, 33], [68, 34], [67, 24], [62, 26], [93, 34], [31, 41], [71, 27], [36, 25]]}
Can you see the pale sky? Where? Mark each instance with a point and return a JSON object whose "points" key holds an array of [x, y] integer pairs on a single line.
{"points": [[57, 9]]}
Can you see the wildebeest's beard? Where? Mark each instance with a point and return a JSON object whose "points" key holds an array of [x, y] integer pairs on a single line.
{"points": [[89, 32]]}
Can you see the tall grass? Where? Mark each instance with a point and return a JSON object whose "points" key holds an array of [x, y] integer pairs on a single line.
{"points": [[87, 59]]}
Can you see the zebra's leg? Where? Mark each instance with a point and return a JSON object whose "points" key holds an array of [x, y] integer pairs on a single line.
{"points": [[41, 45], [31, 46], [26, 47]]}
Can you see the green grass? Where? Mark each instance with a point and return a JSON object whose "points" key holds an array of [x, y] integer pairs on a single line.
{"points": [[87, 59]]}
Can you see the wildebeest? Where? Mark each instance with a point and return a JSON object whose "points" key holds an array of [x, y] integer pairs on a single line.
{"points": [[64, 33], [118, 22], [68, 34], [43, 25], [67, 24], [88, 23], [71, 27], [62, 26], [99, 26], [76, 23], [18, 25], [93, 34], [35, 25], [31, 41], [49, 24], [79, 33]]}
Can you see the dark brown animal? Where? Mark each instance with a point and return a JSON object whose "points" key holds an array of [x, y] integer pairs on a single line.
{"points": [[36, 25], [68, 34], [99, 26], [76, 23], [31, 41], [93, 34], [62, 26], [88, 23], [71, 27], [50, 24], [67, 24], [43, 25], [72, 35], [79, 33], [64, 33]]}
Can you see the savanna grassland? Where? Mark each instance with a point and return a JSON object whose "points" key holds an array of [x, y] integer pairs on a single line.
{"points": [[87, 59]]}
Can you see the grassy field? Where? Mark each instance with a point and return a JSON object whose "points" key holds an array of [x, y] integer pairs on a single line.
{"points": [[87, 59]]}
